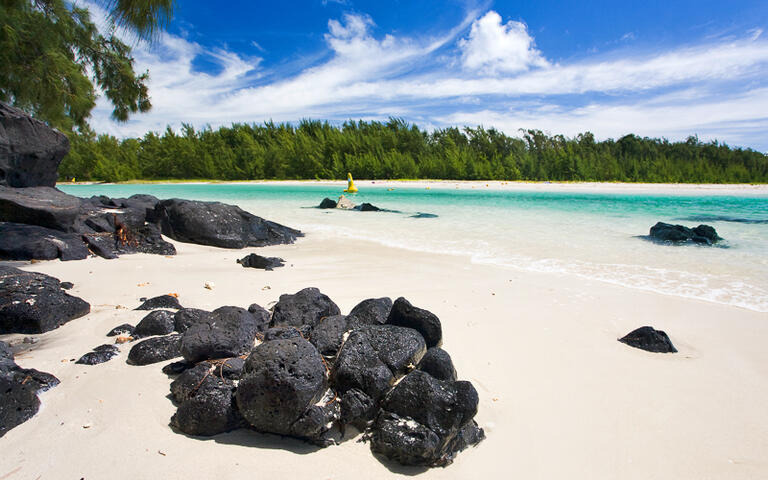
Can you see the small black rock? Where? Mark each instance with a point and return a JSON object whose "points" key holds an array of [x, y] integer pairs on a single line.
{"points": [[124, 329], [257, 261], [163, 301], [649, 339]]}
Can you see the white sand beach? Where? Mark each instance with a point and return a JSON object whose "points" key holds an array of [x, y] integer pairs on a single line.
{"points": [[559, 396]]}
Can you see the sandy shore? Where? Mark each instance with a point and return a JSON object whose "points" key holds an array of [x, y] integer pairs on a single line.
{"points": [[565, 187], [559, 396]]}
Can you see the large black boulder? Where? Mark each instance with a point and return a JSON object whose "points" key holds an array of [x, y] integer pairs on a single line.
{"points": [[35, 303], [679, 234], [305, 307], [372, 357], [649, 339], [420, 419], [157, 322], [264, 263], [423, 321], [42, 206], [218, 224], [155, 349], [281, 380], [29, 242], [372, 311], [229, 332], [30, 150], [143, 239]]}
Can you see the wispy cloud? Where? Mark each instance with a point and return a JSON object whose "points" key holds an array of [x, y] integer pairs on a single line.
{"points": [[482, 71]]}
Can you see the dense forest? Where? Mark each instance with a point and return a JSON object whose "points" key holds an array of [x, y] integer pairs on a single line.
{"points": [[397, 150]]}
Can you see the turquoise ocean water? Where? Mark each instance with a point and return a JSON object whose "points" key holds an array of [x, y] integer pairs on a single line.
{"points": [[588, 235]]}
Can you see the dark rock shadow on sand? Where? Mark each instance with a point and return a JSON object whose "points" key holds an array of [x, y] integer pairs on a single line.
{"points": [[397, 468]]}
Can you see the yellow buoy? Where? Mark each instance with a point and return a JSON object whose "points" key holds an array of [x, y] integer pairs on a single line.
{"points": [[351, 188]]}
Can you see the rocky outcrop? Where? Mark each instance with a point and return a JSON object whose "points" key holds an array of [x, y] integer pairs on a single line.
{"points": [[218, 224], [35, 303], [30, 151], [649, 339], [41, 206], [29, 242], [678, 234], [19, 387], [264, 263]]}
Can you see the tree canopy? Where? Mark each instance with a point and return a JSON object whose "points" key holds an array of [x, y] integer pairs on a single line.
{"points": [[53, 58], [396, 149]]}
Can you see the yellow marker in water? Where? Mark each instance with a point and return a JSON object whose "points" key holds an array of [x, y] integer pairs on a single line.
{"points": [[351, 188]]}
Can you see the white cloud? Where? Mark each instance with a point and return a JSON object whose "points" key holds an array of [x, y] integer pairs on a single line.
{"points": [[493, 47], [715, 88]]}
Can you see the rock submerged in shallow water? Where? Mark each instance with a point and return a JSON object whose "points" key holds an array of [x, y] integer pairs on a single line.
{"points": [[305, 307], [281, 380], [155, 349], [649, 339], [678, 234], [163, 301], [264, 263], [423, 321], [35, 303]]}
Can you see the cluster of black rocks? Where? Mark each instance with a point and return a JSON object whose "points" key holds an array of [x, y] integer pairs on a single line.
{"points": [[40, 222], [314, 372], [18, 390]]}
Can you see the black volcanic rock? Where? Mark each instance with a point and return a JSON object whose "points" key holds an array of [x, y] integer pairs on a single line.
{"points": [[30, 150], [649, 339], [218, 224], [186, 317], [206, 402], [35, 303], [30, 242], [264, 263], [155, 349], [162, 301], [423, 321], [41, 206], [327, 203], [367, 207], [421, 419], [157, 322], [281, 380], [373, 311], [437, 362], [357, 409], [305, 307], [18, 403], [124, 329], [100, 354], [678, 234], [229, 332], [327, 335]]}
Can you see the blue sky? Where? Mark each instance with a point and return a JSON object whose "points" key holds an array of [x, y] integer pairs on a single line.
{"points": [[661, 69]]}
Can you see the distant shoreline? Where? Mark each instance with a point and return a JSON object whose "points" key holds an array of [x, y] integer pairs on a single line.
{"points": [[496, 185]]}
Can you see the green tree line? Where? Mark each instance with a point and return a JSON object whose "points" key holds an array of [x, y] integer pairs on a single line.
{"points": [[395, 150]]}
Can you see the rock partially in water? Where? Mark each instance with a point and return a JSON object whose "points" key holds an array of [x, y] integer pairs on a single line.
{"points": [[423, 321], [327, 203], [35, 303], [678, 234], [649, 339], [367, 207], [162, 301], [264, 263], [155, 349], [305, 307]]}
